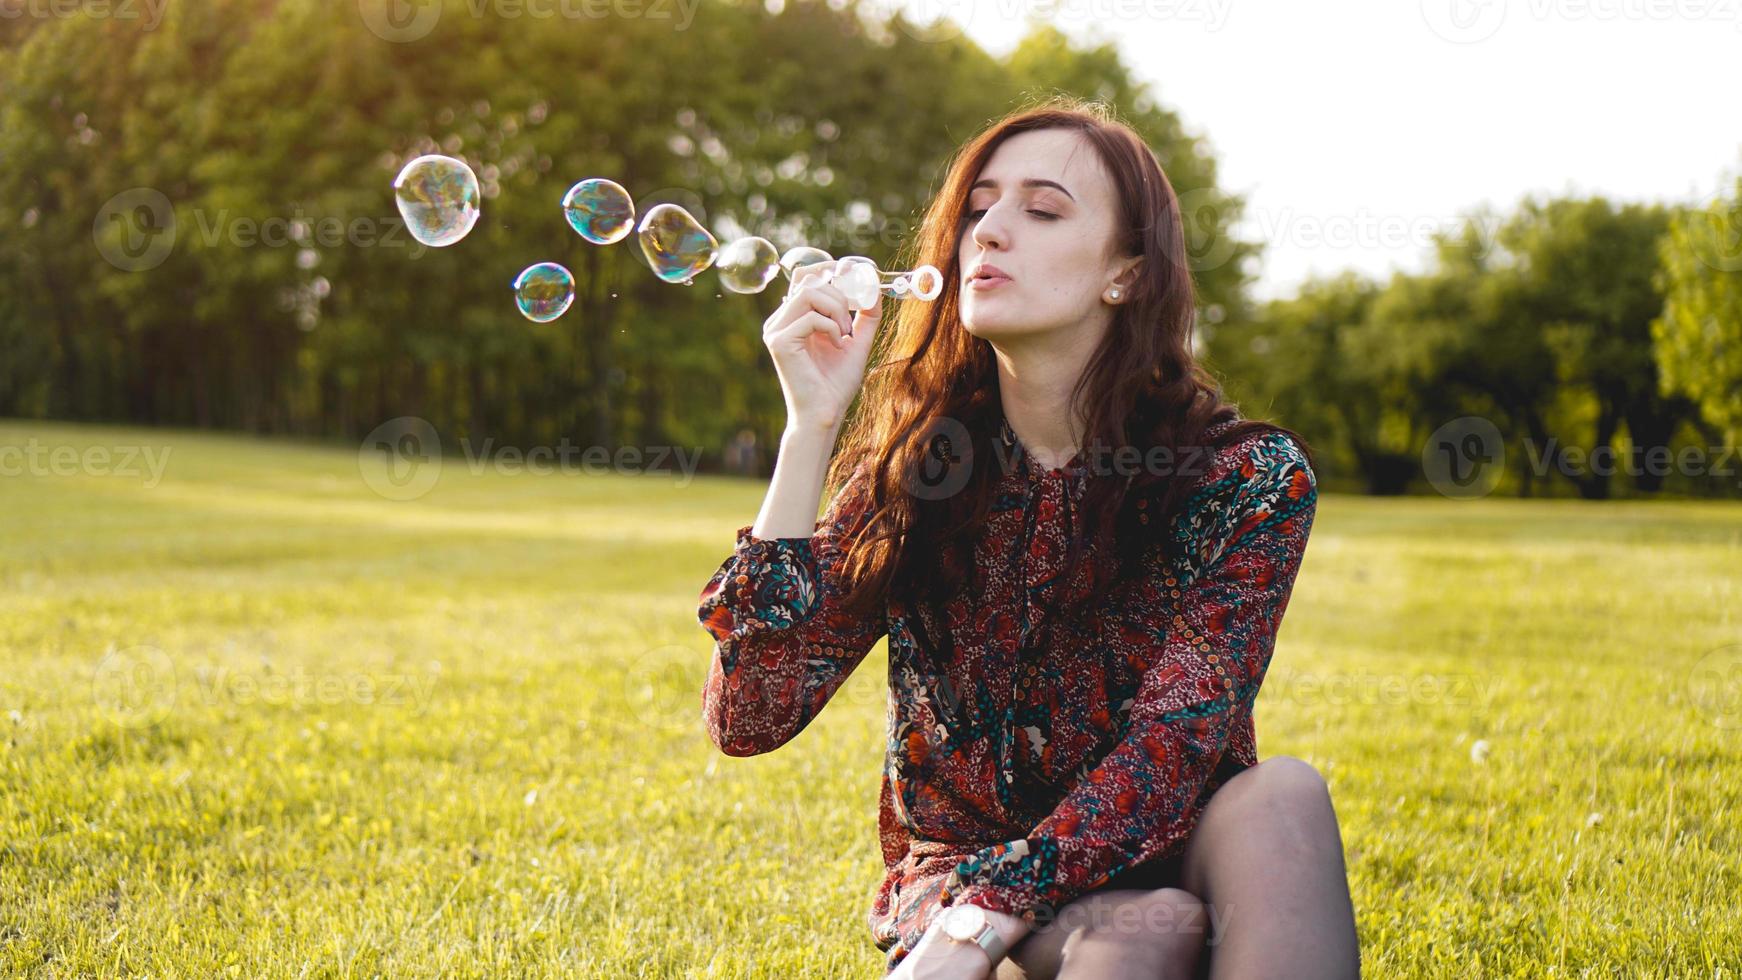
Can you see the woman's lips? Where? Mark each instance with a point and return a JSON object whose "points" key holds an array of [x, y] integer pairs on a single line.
{"points": [[987, 282]]}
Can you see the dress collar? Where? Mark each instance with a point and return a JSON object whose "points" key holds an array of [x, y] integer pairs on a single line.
{"points": [[1072, 467]]}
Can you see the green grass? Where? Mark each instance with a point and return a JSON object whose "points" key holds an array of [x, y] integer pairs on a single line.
{"points": [[521, 785]]}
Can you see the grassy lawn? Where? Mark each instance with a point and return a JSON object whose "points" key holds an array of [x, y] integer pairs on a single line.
{"points": [[258, 720]]}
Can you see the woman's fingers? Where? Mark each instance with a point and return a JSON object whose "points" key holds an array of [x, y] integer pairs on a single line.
{"points": [[815, 322], [811, 292]]}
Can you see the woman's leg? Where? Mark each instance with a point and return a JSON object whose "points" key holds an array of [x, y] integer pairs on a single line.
{"points": [[1267, 858], [1114, 934]]}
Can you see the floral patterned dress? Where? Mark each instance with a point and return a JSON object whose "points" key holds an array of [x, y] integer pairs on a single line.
{"points": [[1040, 760]]}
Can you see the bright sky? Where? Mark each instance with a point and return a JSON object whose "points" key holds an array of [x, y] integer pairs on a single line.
{"points": [[1357, 127]]}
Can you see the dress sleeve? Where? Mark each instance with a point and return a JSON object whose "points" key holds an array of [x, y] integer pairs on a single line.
{"points": [[1202, 631], [782, 643]]}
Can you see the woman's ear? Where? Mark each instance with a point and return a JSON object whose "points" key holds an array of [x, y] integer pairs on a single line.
{"points": [[1128, 276]]}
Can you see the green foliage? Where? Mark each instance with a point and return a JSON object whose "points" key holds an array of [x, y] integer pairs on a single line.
{"points": [[1698, 337], [274, 129], [1539, 321]]}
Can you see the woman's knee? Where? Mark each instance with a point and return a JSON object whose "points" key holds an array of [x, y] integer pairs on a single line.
{"points": [[1279, 782]]}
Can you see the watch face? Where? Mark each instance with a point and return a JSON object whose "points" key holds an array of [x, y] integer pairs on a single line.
{"points": [[965, 922]]}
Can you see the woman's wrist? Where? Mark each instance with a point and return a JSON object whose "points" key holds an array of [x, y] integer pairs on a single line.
{"points": [[1011, 929]]}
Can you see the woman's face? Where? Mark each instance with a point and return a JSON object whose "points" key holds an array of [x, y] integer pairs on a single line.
{"points": [[1042, 212]]}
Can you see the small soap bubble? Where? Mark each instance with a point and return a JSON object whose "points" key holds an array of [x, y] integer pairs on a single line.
{"points": [[600, 210], [748, 265], [802, 255], [438, 198], [544, 291], [676, 244]]}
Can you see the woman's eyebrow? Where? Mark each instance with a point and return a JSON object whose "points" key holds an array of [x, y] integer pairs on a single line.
{"points": [[1030, 182]]}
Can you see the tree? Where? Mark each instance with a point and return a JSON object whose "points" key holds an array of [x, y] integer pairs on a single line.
{"points": [[1698, 337]]}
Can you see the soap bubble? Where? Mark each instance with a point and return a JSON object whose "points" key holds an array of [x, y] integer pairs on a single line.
{"points": [[544, 291], [676, 245], [857, 278], [438, 198], [748, 264], [802, 255], [600, 210]]}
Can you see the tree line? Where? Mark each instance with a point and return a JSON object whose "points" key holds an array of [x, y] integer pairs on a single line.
{"points": [[200, 231]]}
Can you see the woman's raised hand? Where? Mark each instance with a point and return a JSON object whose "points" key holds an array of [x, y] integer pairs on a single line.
{"points": [[820, 348]]}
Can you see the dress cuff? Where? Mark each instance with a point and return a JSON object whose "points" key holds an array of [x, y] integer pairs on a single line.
{"points": [[1007, 877], [767, 584]]}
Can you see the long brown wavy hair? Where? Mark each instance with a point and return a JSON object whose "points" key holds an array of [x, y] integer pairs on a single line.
{"points": [[933, 384]]}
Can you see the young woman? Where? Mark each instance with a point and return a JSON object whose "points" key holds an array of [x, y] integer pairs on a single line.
{"points": [[1080, 556]]}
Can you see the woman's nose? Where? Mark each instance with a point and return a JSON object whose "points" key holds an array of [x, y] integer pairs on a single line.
{"points": [[989, 230]]}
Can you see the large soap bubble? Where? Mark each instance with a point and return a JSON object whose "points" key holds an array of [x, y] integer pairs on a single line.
{"points": [[676, 244], [599, 210], [438, 198]]}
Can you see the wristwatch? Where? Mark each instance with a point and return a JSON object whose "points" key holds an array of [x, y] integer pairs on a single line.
{"points": [[967, 924]]}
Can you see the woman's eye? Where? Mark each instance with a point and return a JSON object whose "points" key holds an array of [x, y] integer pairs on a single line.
{"points": [[1044, 215]]}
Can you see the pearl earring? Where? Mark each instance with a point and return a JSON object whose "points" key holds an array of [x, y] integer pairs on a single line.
{"points": [[1114, 293]]}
